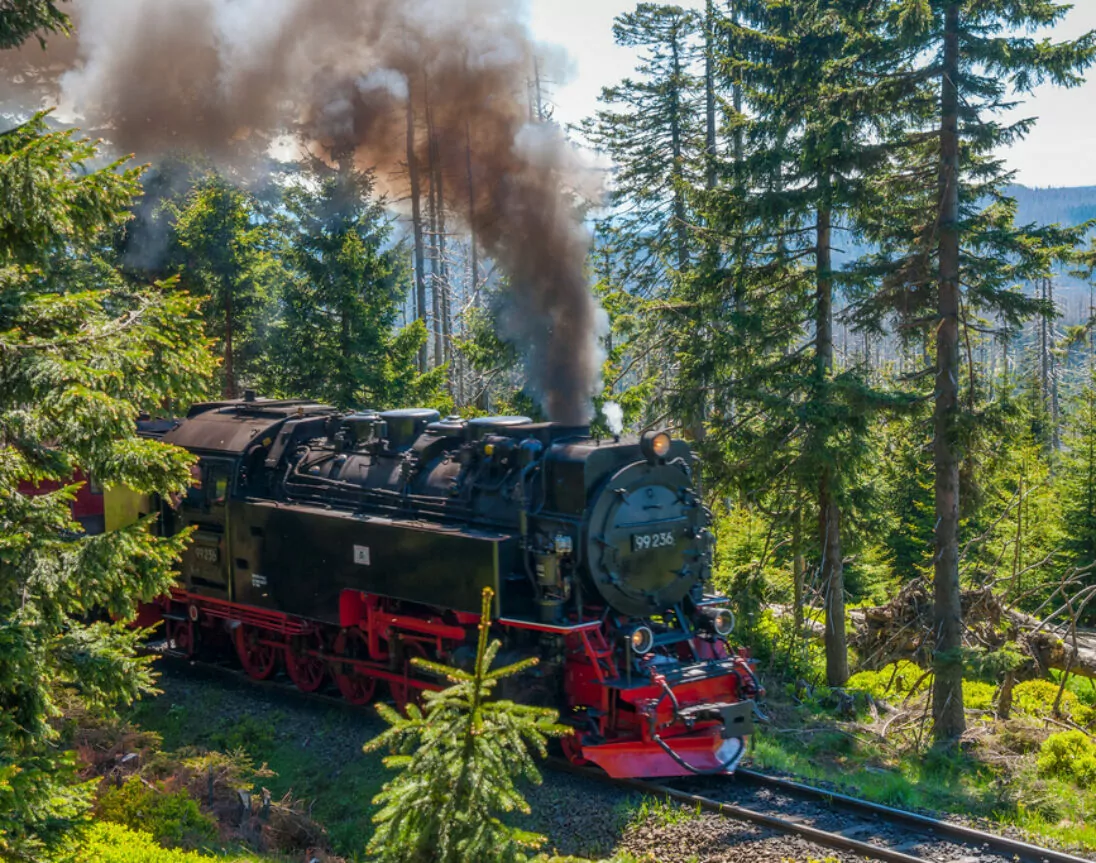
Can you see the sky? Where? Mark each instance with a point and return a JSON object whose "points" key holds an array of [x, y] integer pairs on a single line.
{"points": [[1060, 151]]}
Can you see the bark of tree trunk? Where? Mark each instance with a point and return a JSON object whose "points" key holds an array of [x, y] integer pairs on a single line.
{"points": [[433, 209], [443, 262], [798, 570], [947, 690], [471, 207], [709, 93], [416, 225], [681, 233], [829, 512]]}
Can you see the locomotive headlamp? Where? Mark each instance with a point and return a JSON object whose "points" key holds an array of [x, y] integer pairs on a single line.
{"points": [[721, 620], [642, 640], [655, 445]]}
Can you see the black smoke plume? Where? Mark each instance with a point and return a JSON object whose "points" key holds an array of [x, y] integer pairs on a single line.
{"points": [[225, 77]]}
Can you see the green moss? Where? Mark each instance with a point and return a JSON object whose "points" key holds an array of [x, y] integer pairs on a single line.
{"points": [[978, 695]]}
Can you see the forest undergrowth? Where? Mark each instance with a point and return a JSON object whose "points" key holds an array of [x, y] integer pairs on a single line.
{"points": [[1030, 773]]}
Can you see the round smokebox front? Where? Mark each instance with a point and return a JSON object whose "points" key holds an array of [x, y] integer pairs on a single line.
{"points": [[648, 541]]}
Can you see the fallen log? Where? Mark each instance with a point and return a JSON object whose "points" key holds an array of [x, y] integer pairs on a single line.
{"points": [[902, 629]]}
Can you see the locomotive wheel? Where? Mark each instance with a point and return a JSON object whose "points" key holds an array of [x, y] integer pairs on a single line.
{"points": [[355, 688], [180, 635], [402, 693], [257, 658], [307, 672]]}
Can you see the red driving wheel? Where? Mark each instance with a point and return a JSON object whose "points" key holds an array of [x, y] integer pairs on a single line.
{"points": [[304, 669], [180, 637], [402, 692], [257, 656], [355, 687]]}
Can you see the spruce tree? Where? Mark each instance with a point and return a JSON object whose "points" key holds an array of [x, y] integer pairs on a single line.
{"points": [[811, 72], [77, 365], [342, 286], [1078, 479], [950, 247], [652, 126], [222, 252], [21, 19], [459, 758]]}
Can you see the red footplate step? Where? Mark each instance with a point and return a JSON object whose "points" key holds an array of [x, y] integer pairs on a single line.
{"points": [[704, 751]]}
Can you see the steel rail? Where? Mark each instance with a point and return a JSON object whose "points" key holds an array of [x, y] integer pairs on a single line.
{"points": [[825, 838], [924, 823]]}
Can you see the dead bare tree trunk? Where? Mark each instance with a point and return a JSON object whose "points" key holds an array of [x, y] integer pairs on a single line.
{"points": [[432, 217], [471, 208], [416, 223]]}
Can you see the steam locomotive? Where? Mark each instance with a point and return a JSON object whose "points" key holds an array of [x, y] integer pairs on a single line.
{"points": [[341, 546]]}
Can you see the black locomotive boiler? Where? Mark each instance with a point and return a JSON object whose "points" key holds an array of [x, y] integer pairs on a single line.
{"points": [[340, 546]]}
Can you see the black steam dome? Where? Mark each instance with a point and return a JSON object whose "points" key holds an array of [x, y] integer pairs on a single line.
{"points": [[407, 424], [481, 426]]}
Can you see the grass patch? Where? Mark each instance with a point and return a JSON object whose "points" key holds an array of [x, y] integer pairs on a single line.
{"points": [[663, 813], [1009, 774]]}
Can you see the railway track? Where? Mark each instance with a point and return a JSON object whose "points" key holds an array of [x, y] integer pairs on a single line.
{"points": [[820, 816], [837, 821]]}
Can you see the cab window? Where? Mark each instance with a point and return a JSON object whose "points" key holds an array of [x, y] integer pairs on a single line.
{"points": [[209, 485]]}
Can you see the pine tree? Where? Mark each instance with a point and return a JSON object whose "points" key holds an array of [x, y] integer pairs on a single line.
{"points": [[1078, 479], [77, 365], [459, 757], [950, 247]]}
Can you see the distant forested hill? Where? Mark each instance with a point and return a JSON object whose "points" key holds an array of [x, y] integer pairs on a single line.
{"points": [[1064, 206], [1070, 205]]}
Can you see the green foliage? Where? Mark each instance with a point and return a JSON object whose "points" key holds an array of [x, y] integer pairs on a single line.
{"points": [[652, 127], [169, 816], [22, 19], [222, 252], [459, 758], [664, 813], [745, 568], [1069, 755], [80, 357], [1076, 488], [115, 843], [978, 695], [246, 733]]}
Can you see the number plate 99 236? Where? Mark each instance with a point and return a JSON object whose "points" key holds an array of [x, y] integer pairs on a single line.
{"points": [[653, 540]]}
